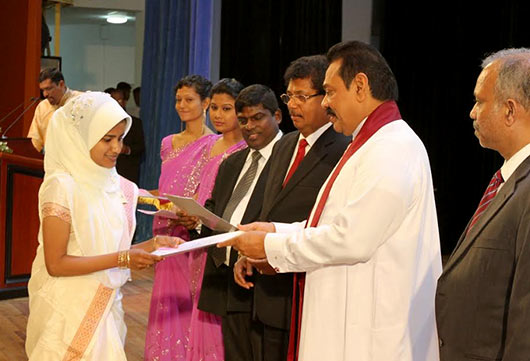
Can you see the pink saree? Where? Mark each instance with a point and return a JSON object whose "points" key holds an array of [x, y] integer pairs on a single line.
{"points": [[176, 328]]}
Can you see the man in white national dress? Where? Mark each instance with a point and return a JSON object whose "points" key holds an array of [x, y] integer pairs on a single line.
{"points": [[370, 250]]}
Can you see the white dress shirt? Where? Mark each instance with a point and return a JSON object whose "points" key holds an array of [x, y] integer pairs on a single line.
{"points": [[511, 164], [238, 213]]}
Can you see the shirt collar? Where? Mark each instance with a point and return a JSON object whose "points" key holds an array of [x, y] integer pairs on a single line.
{"points": [[511, 164], [313, 137], [67, 94], [358, 129], [267, 150]]}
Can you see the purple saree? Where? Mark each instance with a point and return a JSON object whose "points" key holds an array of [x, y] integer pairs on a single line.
{"points": [[176, 328]]}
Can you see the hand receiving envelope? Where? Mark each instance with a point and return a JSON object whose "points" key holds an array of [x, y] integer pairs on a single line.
{"points": [[191, 207], [207, 218]]}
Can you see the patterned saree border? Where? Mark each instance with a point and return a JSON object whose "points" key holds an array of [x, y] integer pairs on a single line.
{"points": [[88, 326]]}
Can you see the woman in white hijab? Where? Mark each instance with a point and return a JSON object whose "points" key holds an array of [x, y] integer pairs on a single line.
{"points": [[87, 220]]}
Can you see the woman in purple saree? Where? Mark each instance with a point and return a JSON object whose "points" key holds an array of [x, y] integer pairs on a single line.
{"points": [[176, 328]]}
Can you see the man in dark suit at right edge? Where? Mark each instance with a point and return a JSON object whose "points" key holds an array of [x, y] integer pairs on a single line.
{"points": [[483, 295], [300, 163]]}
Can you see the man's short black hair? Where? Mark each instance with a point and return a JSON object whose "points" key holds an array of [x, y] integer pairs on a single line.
{"points": [[255, 95], [122, 85], [51, 73], [201, 85], [358, 57], [313, 67]]}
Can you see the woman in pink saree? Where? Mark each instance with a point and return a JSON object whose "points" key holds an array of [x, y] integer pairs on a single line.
{"points": [[176, 328]]}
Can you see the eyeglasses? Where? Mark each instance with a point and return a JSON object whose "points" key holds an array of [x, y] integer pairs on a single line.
{"points": [[300, 98]]}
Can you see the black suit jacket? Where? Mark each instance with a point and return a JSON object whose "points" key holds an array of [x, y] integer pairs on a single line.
{"points": [[483, 295], [219, 293], [272, 294], [128, 165]]}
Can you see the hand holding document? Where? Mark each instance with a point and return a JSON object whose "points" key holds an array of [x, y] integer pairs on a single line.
{"points": [[189, 206], [248, 243], [207, 218], [197, 244]]}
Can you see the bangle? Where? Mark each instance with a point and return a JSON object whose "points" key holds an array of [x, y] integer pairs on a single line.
{"points": [[128, 260], [123, 259]]}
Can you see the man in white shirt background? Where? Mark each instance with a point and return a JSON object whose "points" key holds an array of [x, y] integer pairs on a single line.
{"points": [[55, 92]]}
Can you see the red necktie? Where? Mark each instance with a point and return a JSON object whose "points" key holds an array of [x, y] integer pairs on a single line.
{"points": [[300, 154], [382, 115], [488, 196]]}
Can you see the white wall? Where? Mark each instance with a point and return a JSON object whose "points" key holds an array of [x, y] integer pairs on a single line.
{"points": [[140, 29], [96, 55], [134, 5]]}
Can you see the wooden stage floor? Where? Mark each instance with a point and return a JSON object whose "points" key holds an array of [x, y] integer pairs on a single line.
{"points": [[136, 298], [137, 295]]}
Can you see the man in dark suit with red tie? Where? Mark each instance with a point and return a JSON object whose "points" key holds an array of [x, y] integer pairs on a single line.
{"points": [[300, 163], [483, 295]]}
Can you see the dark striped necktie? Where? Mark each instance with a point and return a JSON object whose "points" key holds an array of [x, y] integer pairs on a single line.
{"points": [[240, 190], [488, 196]]}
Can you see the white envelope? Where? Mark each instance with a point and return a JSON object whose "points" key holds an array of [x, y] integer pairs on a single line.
{"points": [[196, 244]]}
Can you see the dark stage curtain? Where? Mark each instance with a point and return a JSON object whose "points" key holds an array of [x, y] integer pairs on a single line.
{"points": [[435, 50], [260, 38]]}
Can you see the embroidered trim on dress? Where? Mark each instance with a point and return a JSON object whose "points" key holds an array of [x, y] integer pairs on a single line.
{"points": [[173, 153], [51, 209], [88, 326]]}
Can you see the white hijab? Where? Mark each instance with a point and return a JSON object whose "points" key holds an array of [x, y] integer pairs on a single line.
{"points": [[96, 201]]}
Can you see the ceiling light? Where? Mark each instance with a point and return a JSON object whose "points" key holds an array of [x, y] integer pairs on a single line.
{"points": [[116, 18]]}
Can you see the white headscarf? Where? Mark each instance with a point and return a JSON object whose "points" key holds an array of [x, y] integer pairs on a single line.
{"points": [[96, 203]]}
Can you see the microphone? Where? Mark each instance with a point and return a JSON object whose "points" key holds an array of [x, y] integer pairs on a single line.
{"points": [[13, 110], [19, 117]]}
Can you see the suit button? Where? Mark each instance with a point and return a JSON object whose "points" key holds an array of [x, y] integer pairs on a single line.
{"points": [[441, 342]]}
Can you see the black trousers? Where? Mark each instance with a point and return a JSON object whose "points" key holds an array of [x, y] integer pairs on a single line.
{"points": [[250, 340]]}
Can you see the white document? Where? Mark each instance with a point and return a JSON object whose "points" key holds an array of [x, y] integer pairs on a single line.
{"points": [[160, 213], [207, 218], [196, 244]]}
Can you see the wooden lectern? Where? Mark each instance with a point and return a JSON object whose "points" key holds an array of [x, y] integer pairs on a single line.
{"points": [[21, 174]]}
